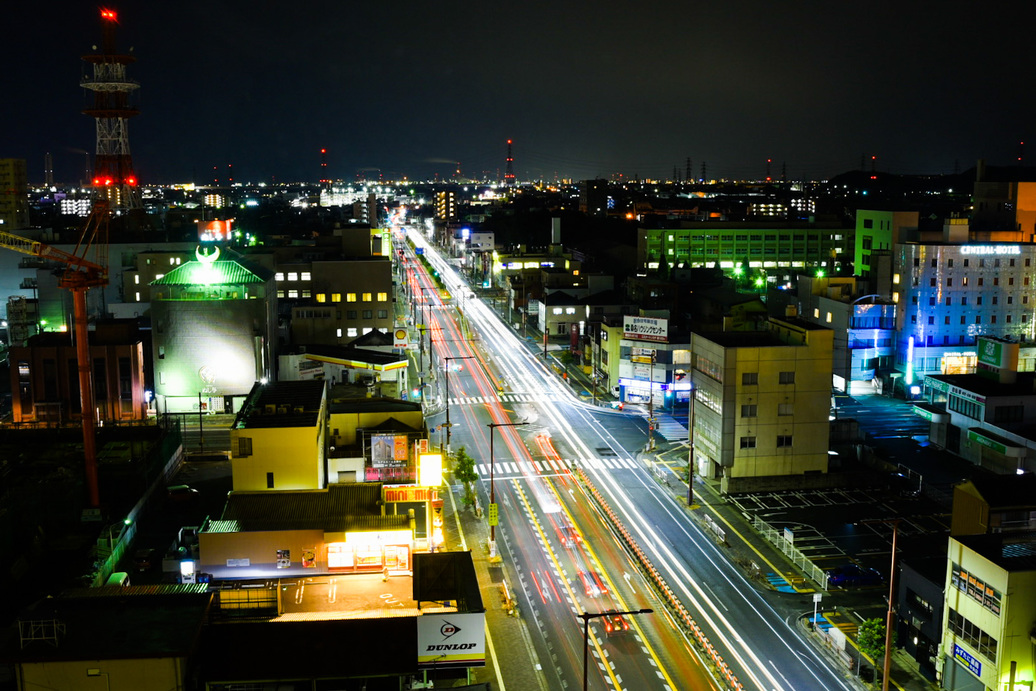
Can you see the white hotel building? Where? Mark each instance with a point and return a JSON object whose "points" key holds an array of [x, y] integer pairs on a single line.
{"points": [[949, 294]]}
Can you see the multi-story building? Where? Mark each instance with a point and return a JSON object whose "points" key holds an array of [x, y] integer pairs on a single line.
{"points": [[880, 231], [45, 376], [14, 194], [950, 293], [213, 334], [777, 250], [761, 405], [446, 205], [344, 300], [147, 266], [277, 439], [989, 611], [864, 325], [986, 417]]}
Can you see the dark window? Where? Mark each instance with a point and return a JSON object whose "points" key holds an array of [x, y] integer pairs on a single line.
{"points": [[244, 447], [783, 440], [269, 480], [747, 442]]}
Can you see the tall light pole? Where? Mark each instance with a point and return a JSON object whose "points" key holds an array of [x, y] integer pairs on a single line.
{"points": [[587, 616], [690, 450], [446, 360], [887, 664], [492, 487]]}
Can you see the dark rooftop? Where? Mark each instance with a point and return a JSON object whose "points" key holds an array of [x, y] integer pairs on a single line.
{"points": [[281, 404], [984, 386], [373, 405], [1010, 551], [353, 506], [114, 623], [1007, 491]]}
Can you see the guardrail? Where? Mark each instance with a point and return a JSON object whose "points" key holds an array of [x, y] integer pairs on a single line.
{"points": [[722, 669], [776, 538]]}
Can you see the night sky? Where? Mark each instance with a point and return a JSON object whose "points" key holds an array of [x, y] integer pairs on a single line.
{"points": [[584, 89]]}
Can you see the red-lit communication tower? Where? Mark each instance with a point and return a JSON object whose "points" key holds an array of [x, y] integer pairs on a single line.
{"points": [[509, 173], [325, 180], [113, 175]]}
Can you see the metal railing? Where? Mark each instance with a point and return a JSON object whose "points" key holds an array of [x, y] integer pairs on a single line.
{"points": [[776, 538]]}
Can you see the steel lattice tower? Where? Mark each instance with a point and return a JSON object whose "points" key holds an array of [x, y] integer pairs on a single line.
{"points": [[111, 110], [509, 172]]}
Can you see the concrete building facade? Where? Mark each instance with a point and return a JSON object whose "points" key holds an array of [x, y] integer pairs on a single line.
{"points": [[761, 404]]}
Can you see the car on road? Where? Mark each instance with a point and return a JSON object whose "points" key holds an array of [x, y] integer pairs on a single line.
{"points": [[853, 575], [182, 494], [615, 623], [592, 584], [568, 536]]}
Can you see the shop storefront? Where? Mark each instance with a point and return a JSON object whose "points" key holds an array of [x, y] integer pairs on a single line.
{"points": [[363, 552]]}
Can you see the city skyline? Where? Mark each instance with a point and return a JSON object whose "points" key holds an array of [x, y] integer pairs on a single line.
{"points": [[815, 89]]}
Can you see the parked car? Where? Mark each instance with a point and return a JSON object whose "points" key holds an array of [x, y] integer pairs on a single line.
{"points": [[615, 623], [144, 559], [182, 494], [852, 575]]}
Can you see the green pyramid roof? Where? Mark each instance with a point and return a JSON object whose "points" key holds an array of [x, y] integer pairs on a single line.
{"points": [[194, 273]]}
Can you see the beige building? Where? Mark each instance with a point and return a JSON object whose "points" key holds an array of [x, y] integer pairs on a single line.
{"points": [[761, 404], [989, 612], [277, 440]]}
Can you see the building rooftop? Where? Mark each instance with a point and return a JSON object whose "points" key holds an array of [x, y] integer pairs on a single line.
{"points": [[744, 339], [374, 405], [113, 623], [345, 507], [220, 272], [281, 404], [1010, 551], [984, 386], [1007, 491]]}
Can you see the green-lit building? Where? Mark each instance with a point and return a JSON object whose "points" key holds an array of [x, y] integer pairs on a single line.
{"points": [[214, 334], [776, 251]]}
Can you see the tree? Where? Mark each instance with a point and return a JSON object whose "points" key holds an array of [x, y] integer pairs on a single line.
{"points": [[464, 470], [871, 640]]}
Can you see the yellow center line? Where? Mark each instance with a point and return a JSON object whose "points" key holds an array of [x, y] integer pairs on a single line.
{"points": [[618, 598]]}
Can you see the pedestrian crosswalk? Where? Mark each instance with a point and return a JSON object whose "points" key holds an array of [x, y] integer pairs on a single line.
{"points": [[672, 429], [503, 469], [505, 398]]}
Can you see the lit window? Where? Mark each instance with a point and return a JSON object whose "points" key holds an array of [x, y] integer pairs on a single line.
{"points": [[350, 297], [352, 333], [178, 261], [172, 261], [321, 297], [816, 313], [136, 279], [293, 293], [828, 317], [306, 276], [336, 297], [895, 297], [280, 293], [158, 276], [293, 276], [382, 297], [366, 297], [895, 279], [557, 310], [138, 297], [279, 276], [367, 330], [570, 310], [338, 333], [306, 292]]}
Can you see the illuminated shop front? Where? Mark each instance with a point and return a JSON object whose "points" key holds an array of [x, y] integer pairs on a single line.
{"points": [[369, 551]]}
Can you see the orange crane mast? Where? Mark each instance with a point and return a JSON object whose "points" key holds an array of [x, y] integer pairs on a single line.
{"points": [[78, 276]]}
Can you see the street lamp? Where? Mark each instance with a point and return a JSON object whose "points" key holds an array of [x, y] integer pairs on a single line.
{"points": [[492, 488], [586, 617], [448, 424]]}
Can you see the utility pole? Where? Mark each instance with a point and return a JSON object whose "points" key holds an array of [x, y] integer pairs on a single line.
{"points": [[651, 404]]}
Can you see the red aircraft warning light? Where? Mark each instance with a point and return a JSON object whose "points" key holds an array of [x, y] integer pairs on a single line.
{"points": [[109, 15]]}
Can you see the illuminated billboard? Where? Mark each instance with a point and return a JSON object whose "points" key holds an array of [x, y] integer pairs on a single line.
{"points": [[214, 231], [389, 450]]}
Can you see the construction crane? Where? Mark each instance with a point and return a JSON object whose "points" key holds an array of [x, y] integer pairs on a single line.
{"points": [[78, 276]]}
